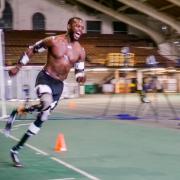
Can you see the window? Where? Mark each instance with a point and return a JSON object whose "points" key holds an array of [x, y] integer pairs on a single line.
{"points": [[38, 21], [93, 27], [7, 17], [119, 27]]}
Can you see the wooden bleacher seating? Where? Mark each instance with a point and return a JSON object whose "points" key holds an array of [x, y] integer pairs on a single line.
{"points": [[98, 48]]}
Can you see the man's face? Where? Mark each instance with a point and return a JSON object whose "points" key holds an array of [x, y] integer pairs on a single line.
{"points": [[76, 29]]}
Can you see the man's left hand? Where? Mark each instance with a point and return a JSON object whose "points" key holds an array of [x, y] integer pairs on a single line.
{"points": [[81, 79]]}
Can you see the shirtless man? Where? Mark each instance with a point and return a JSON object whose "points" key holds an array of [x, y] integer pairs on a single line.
{"points": [[63, 53]]}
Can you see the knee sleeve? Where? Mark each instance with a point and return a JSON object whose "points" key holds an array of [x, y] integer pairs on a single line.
{"points": [[44, 92], [46, 101], [42, 88]]}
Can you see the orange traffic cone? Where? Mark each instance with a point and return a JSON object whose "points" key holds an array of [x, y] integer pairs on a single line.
{"points": [[60, 143], [72, 105]]}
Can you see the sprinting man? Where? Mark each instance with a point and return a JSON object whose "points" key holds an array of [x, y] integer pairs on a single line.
{"points": [[63, 52]]}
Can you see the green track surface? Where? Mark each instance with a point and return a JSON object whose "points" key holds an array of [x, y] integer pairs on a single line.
{"points": [[106, 149], [36, 166]]}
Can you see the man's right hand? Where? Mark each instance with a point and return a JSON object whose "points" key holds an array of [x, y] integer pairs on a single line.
{"points": [[13, 71]]}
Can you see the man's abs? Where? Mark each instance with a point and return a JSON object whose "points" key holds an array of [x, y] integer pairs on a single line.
{"points": [[58, 68]]}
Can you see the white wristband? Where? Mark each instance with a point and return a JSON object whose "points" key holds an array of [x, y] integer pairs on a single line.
{"points": [[79, 66], [24, 59]]}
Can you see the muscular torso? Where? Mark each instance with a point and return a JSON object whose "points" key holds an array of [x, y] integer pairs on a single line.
{"points": [[61, 57]]}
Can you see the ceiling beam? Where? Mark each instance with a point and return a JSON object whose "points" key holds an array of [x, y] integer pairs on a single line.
{"points": [[123, 8], [176, 2], [157, 37], [153, 13], [166, 7]]}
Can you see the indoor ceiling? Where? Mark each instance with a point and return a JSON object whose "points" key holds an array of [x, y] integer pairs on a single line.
{"points": [[170, 7], [164, 12], [167, 12]]}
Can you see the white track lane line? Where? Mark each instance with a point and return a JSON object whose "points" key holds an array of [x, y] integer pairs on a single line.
{"points": [[23, 124], [89, 176], [75, 169]]}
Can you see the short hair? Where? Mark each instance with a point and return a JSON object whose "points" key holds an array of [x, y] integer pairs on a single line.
{"points": [[73, 18]]}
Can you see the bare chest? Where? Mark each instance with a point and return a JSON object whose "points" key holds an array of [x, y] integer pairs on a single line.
{"points": [[67, 53]]}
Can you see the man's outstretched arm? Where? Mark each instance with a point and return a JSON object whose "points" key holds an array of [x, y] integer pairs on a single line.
{"points": [[38, 47]]}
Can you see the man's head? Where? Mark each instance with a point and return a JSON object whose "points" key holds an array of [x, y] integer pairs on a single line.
{"points": [[75, 28]]}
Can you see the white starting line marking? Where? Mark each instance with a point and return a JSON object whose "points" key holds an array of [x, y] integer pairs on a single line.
{"points": [[58, 160], [23, 124], [28, 145], [19, 125]]}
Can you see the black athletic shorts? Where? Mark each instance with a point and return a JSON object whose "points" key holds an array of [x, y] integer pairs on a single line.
{"points": [[55, 85]]}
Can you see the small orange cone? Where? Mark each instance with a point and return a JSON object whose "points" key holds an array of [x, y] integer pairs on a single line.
{"points": [[72, 105], [60, 143]]}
